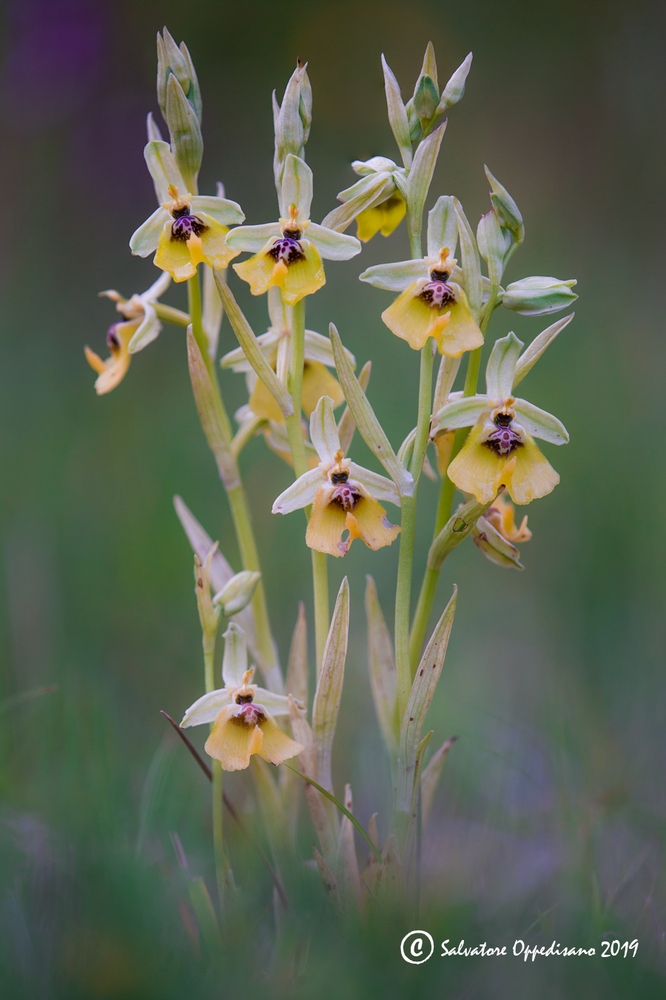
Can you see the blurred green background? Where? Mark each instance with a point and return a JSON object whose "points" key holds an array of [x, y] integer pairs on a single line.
{"points": [[549, 817]]}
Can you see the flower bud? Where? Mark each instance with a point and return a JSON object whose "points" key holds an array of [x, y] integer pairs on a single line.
{"points": [[185, 133], [176, 60], [494, 546], [455, 88], [538, 295], [237, 594], [508, 212], [425, 100], [292, 119]]}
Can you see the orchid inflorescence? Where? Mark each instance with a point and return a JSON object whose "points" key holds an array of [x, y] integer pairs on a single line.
{"points": [[482, 443]]}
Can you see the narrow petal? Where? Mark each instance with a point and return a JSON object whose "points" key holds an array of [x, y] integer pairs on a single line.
{"points": [[174, 256], [477, 469], [326, 525], [226, 212], [409, 317], [304, 276], [216, 251], [253, 238], [324, 430], [377, 486], [257, 270], [299, 494], [146, 238], [369, 522], [277, 746], [318, 382], [533, 475], [462, 332], [332, 245], [234, 662], [233, 740], [205, 709], [94, 361]]}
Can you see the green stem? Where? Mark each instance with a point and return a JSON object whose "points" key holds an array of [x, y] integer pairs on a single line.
{"points": [[445, 503], [170, 315], [218, 834], [297, 445], [240, 510]]}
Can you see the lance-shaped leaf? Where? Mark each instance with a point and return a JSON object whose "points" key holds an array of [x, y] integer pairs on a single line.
{"points": [[348, 859], [470, 260], [420, 698], [368, 425], [420, 176], [248, 341], [397, 115], [297, 667], [323, 814], [211, 415], [430, 777], [347, 425], [381, 663], [446, 376], [327, 876], [456, 530], [533, 352], [329, 687], [219, 571]]}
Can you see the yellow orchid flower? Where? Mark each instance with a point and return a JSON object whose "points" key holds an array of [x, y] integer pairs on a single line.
{"points": [[138, 328], [500, 449], [242, 713], [502, 516], [376, 200], [186, 230], [384, 218], [288, 254], [345, 496]]}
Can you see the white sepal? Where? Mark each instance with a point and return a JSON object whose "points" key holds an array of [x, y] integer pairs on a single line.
{"points": [[501, 366], [206, 708], [540, 424], [253, 238], [164, 170], [234, 662], [442, 226], [397, 276], [227, 212], [148, 331], [332, 245], [299, 494], [324, 430], [145, 239], [277, 704], [533, 352], [237, 594], [380, 487], [296, 187], [463, 412]]}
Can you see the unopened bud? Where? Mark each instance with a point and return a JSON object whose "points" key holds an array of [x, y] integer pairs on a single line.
{"points": [[538, 295], [237, 594], [507, 211]]}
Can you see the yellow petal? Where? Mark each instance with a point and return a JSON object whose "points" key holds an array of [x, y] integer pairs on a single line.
{"points": [[303, 276], [477, 468], [533, 476], [462, 332], [257, 270], [232, 740], [409, 317], [318, 382], [326, 525], [443, 448], [216, 251], [262, 403], [369, 522], [174, 256], [112, 371], [385, 217], [277, 746], [502, 516]]}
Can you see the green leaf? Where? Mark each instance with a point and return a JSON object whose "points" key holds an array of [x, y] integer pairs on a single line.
{"points": [[329, 686], [211, 415], [381, 663]]}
